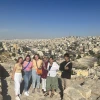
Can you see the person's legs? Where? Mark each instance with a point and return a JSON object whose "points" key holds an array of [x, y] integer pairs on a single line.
{"points": [[45, 85], [64, 83], [29, 77], [53, 85], [42, 83], [67, 83], [48, 84], [56, 80], [62, 80], [17, 80], [20, 80], [25, 81], [38, 81], [17, 83], [34, 78]]}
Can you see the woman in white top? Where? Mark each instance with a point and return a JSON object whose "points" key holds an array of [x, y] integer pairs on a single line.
{"points": [[52, 68]]}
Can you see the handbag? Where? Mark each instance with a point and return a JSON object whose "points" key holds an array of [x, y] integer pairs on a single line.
{"points": [[39, 70]]}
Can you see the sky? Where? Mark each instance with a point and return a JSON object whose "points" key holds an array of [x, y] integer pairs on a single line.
{"points": [[49, 18]]}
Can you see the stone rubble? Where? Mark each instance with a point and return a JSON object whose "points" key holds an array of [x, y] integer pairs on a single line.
{"points": [[85, 56]]}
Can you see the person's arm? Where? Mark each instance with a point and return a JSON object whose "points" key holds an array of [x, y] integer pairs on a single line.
{"points": [[69, 67], [48, 66], [41, 64], [57, 66], [13, 73]]}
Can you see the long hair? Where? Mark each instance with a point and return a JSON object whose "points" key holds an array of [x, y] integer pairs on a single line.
{"points": [[19, 59], [26, 57]]}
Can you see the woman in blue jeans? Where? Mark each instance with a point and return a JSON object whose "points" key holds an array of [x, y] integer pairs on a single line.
{"points": [[27, 68], [37, 63]]}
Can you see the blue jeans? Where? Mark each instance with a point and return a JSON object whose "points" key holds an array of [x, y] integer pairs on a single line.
{"points": [[27, 77], [35, 79]]}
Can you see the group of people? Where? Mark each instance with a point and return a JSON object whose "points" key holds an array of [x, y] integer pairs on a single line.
{"points": [[42, 71]]}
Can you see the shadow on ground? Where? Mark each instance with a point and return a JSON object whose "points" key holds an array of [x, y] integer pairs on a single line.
{"points": [[3, 75], [60, 87]]}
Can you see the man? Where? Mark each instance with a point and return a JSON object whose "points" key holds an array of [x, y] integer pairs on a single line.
{"points": [[66, 68]]}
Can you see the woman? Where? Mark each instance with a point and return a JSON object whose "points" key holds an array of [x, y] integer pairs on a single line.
{"points": [[52, 68], [17, 76], [44, 74], [27, 69], [37, 64]]}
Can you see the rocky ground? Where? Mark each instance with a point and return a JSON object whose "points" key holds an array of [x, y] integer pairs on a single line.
{"points": [[85, 56], [8, 92], [80, 89]]}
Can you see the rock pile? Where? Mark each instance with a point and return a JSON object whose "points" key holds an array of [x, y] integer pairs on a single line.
{"points": [[83, 89]]}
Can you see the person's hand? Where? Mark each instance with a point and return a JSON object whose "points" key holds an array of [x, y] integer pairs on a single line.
{"points": [[12, 78], [66, 68]]}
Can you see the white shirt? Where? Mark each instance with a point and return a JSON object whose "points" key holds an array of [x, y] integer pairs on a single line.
{"points": [[53, 70]]}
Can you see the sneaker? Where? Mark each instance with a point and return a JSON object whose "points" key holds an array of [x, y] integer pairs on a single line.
{"points": [[19, 95], [17, 98], [26, 94]]}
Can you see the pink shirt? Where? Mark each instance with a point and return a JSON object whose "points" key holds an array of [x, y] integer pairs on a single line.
{"points": [[29, 68]]}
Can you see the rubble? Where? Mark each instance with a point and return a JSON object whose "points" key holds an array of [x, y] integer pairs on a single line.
{"points": [[84, 53]]}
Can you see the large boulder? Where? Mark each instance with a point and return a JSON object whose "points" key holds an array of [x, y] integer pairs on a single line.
{"points": [[84, 63], [72, 94]]}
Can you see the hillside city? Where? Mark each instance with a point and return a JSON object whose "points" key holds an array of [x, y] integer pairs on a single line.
{"points": [[85, 57]]}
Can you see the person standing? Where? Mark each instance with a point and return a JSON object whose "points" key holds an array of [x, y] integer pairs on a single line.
{"points": [[27, 69], [37, 65], [51, 83], [17, 76], [66, 68], [44, 73]]}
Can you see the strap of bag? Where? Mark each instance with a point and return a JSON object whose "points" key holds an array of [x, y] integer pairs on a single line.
{"points": [[67, 64], [26, 66]]}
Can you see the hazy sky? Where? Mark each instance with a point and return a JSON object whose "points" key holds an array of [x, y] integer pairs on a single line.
{"points": [[49, 18]]}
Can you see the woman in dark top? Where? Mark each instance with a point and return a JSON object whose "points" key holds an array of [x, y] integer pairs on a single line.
{"points": [[66, 68], [44, 74]]}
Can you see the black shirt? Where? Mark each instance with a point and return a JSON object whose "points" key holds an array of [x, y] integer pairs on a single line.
{"points": [[66, 73]]}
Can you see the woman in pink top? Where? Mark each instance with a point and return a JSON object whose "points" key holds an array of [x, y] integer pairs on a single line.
{"points": [[27, 68]]}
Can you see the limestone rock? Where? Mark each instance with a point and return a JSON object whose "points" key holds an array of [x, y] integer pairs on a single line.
{"points": [[73, 94]]}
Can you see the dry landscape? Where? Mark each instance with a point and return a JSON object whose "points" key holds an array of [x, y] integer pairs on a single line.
{"points": [[85, 56]]}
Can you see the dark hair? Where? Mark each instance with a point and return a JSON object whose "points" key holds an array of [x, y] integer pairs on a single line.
{"points": [[36, 55], [19, 59], [26, 57], [52, 57], [66, 55]]}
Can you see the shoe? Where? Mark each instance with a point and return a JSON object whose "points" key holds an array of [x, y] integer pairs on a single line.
{"points": [[43, 91], [46, 94], [33, 91], [17, 98], [19, 95], [26, 94]]}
